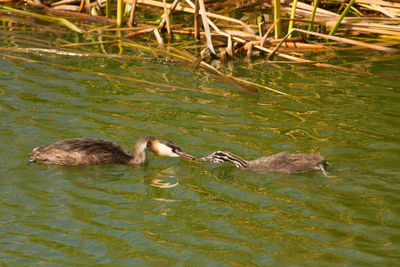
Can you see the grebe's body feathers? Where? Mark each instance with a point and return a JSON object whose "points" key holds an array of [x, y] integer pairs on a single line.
{"points": [[87, 151], [284, 162], [287, 162]]}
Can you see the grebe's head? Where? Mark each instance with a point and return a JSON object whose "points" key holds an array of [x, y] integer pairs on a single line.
{"points": [[168, 149]]}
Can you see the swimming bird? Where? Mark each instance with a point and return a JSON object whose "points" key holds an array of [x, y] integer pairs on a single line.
{"points": [[87, 151], [284, 162]]}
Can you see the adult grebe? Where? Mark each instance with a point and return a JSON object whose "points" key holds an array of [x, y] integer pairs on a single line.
{"points": [[86, 151], [284, 162]]}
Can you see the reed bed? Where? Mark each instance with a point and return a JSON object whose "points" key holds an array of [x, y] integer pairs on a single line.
{"points": [[280, 31]]}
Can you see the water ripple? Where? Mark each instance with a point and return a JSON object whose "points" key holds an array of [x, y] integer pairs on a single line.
{"points": [[172, 211]]}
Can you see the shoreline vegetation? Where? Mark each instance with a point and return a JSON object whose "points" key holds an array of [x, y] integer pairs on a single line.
{"points": [[280, 31]]}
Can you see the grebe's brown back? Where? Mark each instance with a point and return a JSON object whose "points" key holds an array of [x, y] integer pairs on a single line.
{"points": [[86, 151]]}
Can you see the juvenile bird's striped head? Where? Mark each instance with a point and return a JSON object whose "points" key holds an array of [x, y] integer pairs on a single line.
{"points": [[223, 156]]}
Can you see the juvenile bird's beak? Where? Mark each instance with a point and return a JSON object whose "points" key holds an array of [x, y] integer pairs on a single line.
{"points": [[185, 155], [208, 158]]}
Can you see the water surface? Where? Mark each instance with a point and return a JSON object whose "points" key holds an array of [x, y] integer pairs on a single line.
{"points": [[206, 214]]}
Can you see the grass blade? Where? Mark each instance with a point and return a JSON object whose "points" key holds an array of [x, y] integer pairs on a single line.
{"points": [[312, 17], [277, 18], [61, 21], [291, 22], [344, 13]]}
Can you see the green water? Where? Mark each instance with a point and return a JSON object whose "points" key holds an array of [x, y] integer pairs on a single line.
{"points": [[203, 214]]}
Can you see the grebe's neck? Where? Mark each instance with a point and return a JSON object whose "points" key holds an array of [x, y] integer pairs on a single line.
{"points": [[238, 161], [140, 150]]}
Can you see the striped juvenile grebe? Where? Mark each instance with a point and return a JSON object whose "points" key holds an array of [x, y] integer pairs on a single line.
{"points": [[86, 151], [284, 162]]}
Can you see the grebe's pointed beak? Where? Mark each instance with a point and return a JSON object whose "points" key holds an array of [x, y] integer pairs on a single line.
{"points": [[185, 155]]}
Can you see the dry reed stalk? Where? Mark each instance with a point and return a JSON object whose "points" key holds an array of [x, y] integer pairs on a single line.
{"points": [[191, 10], [264, 38], [140, 32], [206, 27], [359, 13], [46, 18], [67, 8], [203, 54], [349, 41], [82, 4], [303, 45], [88, 43], [87, 6], [258, 85], [380, 9], [305, 21], [166, 16], [227, 78], [64, 2], [233, 34], [131, 20], [108, 29], [375, 26], [279, 45], [376, 31], [80, 16], [325, 65], [242, 41], [158, 37], [171, 10], [206, 23], [229, 48], [188, 31], [48, 51], [260, 25], [196, 23], [264, 49], [369, 28], [249, 47], [307, 14], [244, 35], [319, 11], [294, 45], [384, 20], [380, 2], [72, 7], [289, 39]]}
